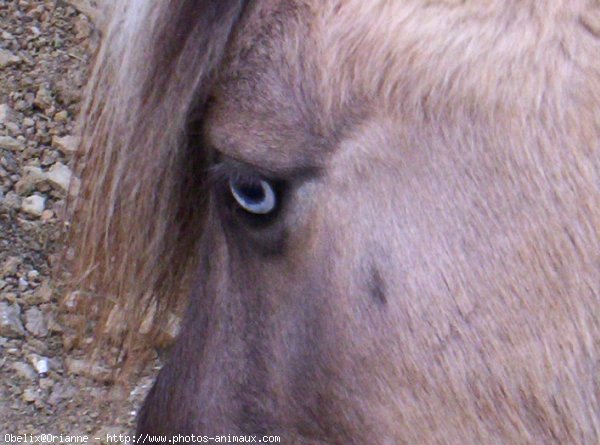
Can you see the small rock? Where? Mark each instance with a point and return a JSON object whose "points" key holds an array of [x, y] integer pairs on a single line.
{"points": [[10, 143], [32, 177], [28, 122], [34, 172], [46, 383], [70, 341], [83, 28], [10, 321], [23, 284], [34, 205], [43, 98], [7, 58], [10, 297], [10, 266], [35, 30], [67, 92], [61, 116], [55, 258], [33, 275], [35, 322], [24, 371], [47, 215], [59, 176], [44, 292], [60, 208], [8, 161], [87, 369], [66, 144], [30, 395], [5, 113], [41, 126], [22, 105], [61, 392], [11, 201], [54, 326], [117, 392], [13, 129], [38, 346]]}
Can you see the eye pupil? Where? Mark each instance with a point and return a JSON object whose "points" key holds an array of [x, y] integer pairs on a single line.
{"points": [[253, 192], [255, 195]]}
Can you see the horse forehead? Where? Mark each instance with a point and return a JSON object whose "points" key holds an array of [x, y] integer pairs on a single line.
{"points": [[305, 70], [390, 50]]}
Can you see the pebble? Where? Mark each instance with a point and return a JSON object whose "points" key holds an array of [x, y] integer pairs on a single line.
{"points": [[47, 215], [10, 143], [22, 105], [10, 321], [13, 129], [54, 326], [30, 395], [44, 292], [33, 275], [32, 178], [35, 30], [5, 113], [88, 369], [24, 371], [11, 297], [23, 284], [34, 205], [61, 116], [12, 201], [10, 266], [35, 322], [83, 28], [43, 98], [46, 383], [38, 346], [60, 392], [59, 176], [7, 58], [66, 144]]}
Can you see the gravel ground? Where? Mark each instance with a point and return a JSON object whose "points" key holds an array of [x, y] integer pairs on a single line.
{"points": [[45, 387]]}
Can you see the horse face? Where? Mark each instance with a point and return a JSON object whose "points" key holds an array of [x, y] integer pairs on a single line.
{"points": [[400, 230]]}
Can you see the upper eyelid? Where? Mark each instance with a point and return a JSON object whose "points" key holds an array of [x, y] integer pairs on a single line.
{"points": [[225, 166], [231, 168], [225, 170]]}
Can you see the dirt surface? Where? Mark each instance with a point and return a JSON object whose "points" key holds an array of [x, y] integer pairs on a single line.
{"points": [[46, 387]]}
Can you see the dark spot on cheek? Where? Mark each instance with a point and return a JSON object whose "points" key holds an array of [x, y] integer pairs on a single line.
{"points": [[377, 287]]}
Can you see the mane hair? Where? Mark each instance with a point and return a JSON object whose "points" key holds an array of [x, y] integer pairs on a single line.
{"points": [[137, 219]]}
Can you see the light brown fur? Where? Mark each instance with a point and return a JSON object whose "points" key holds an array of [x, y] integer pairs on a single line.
{"points": [[435, 281]]}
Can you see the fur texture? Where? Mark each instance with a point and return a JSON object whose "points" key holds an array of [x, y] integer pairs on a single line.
{"points": [[432, 274]]}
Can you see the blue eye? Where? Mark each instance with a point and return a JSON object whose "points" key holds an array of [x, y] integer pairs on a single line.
{"points": [[254, 195]]}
